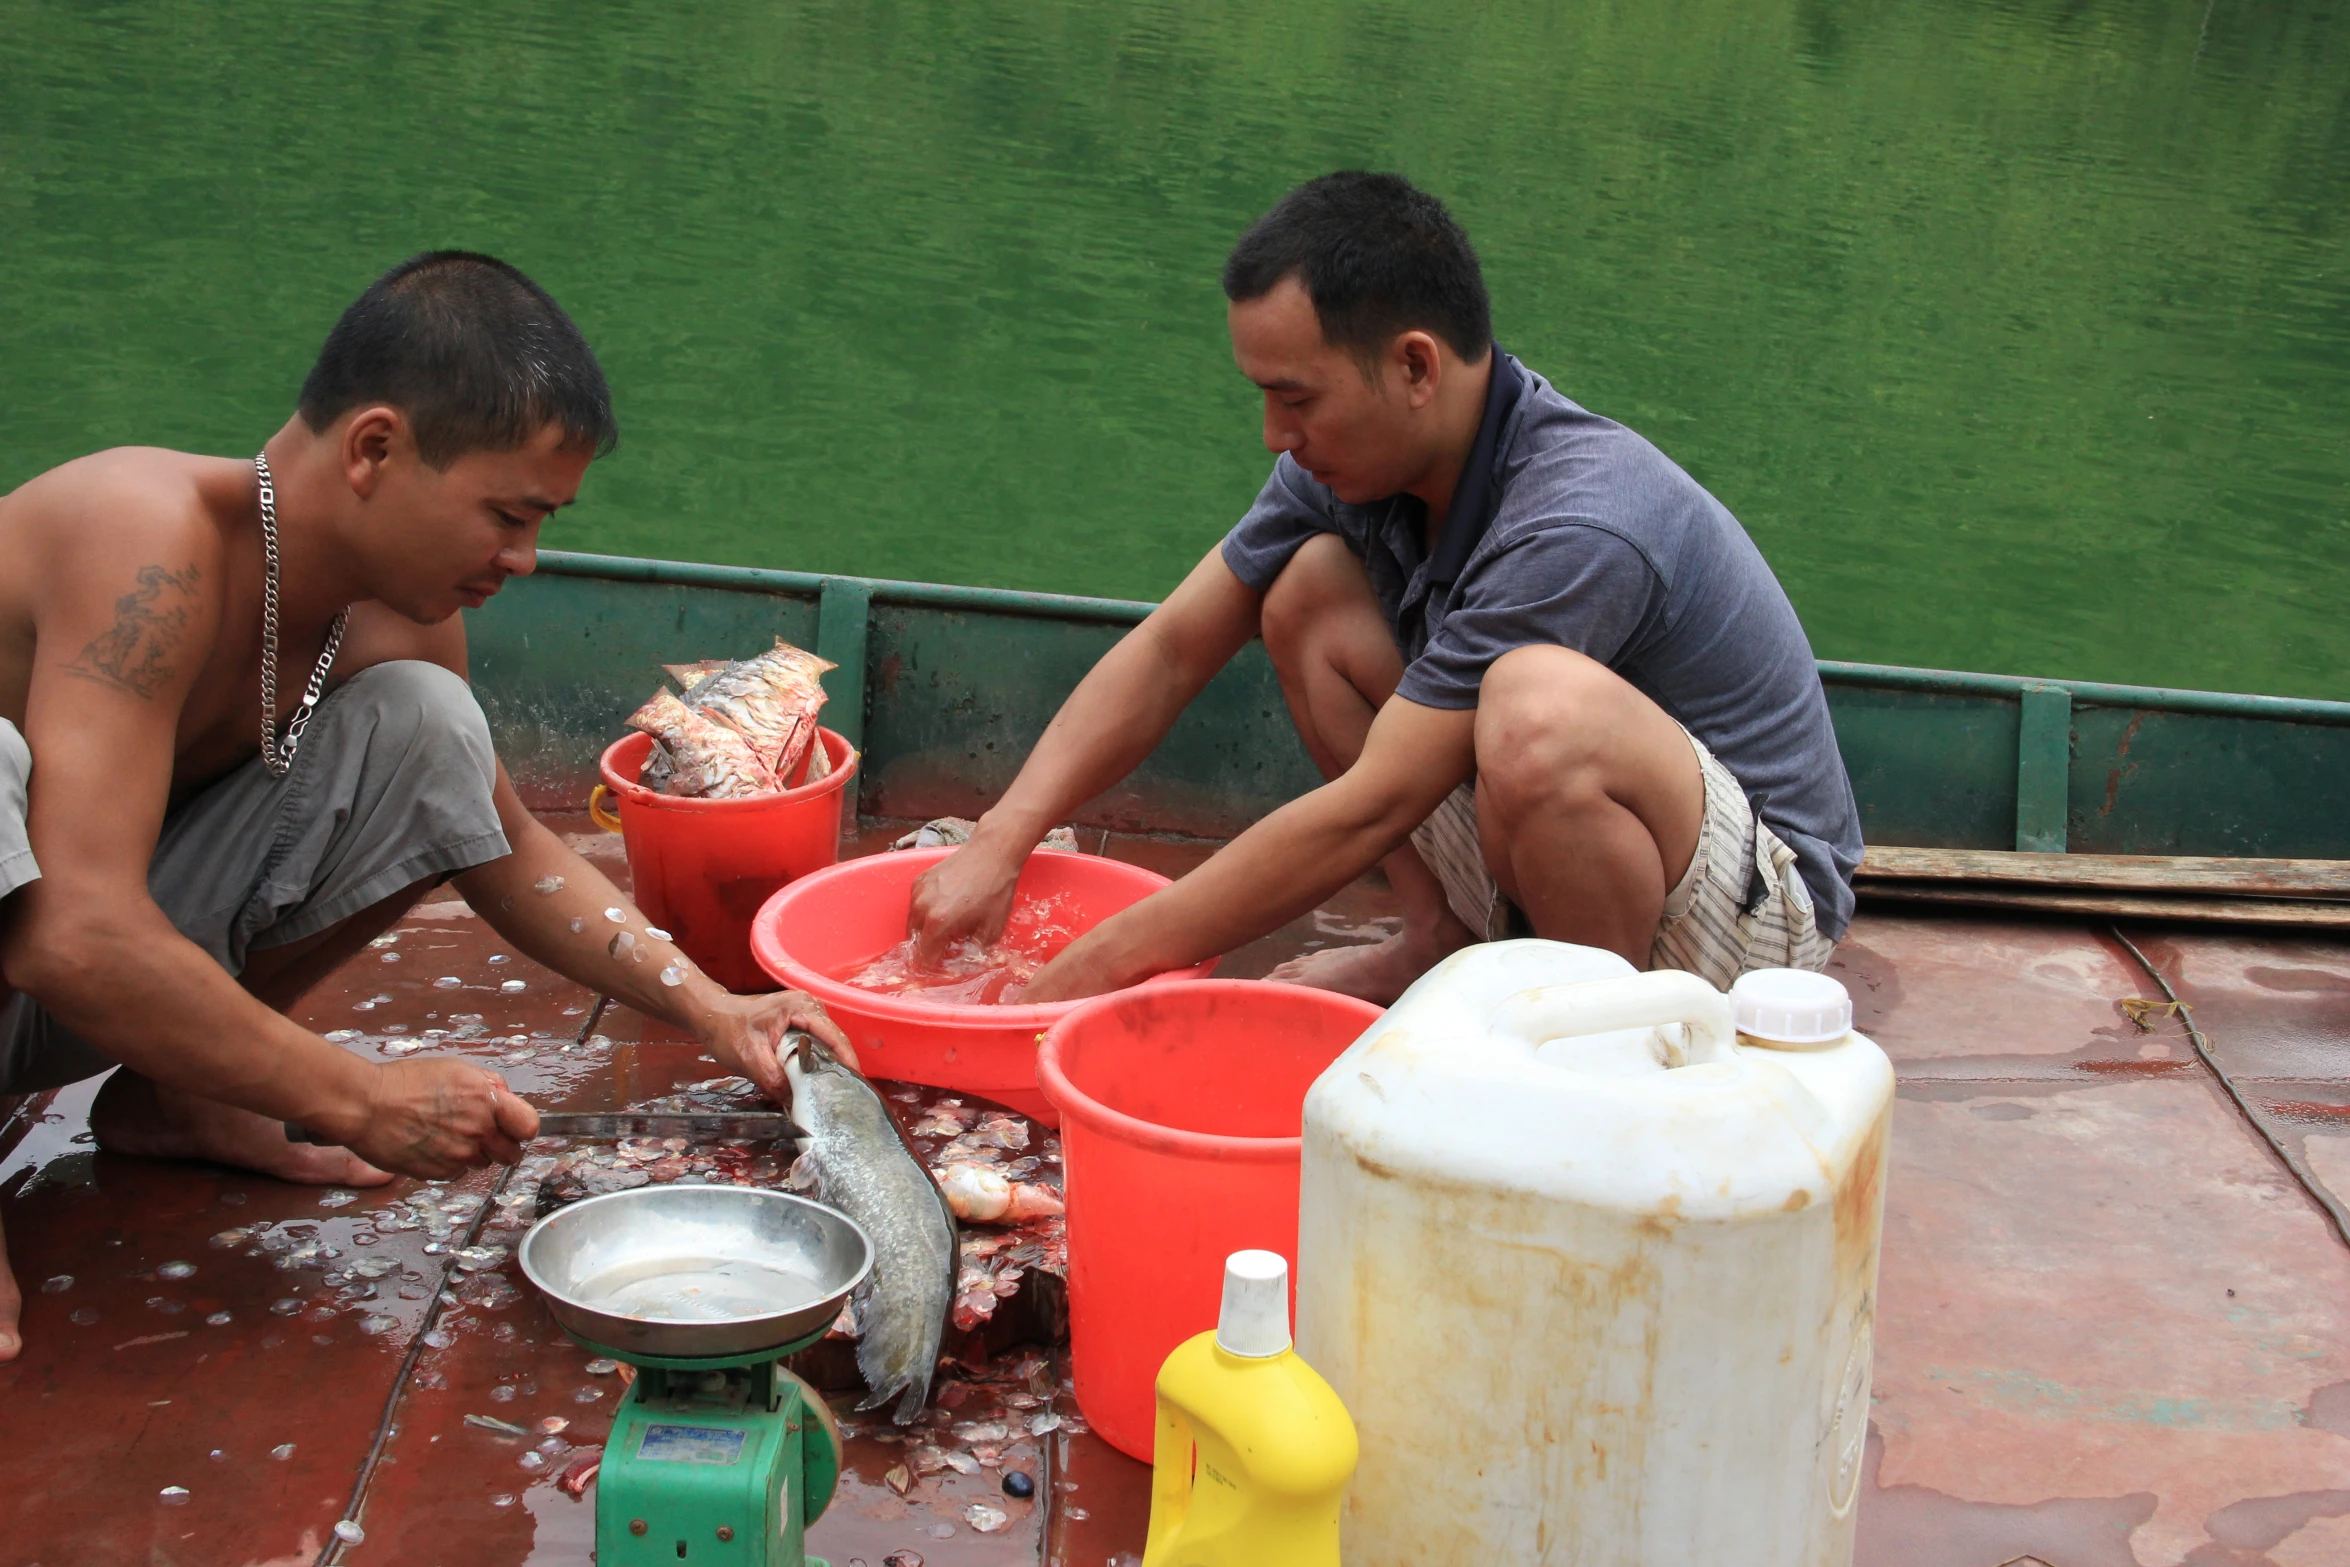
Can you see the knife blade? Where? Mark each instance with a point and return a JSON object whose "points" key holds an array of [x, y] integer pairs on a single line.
{"points": [[757, 1125]]}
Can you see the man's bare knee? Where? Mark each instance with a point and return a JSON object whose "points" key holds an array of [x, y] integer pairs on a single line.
{"points": [[1323, 627], [1321, 592], [1560, 735], [1545, 722]]}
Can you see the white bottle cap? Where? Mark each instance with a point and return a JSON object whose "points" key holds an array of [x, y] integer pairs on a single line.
{"points": [[1255, 1318], [1791, 1006]]}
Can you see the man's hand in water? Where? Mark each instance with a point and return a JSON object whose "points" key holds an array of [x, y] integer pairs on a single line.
{"points": [[967, 895], [747, 1033], [1082, 970], [438, 1119]]}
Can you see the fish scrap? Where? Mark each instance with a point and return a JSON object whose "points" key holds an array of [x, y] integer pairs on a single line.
{"points": [[980, 1195], [699, 757], [982, 1152], [771, 701], [742, 728], [947, 832]]}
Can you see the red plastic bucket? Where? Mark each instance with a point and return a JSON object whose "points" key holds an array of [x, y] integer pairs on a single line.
{"points": [[701, 869], [841, 918], [1181, 1110]]}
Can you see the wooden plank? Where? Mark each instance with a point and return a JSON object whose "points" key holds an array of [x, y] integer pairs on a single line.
{"points": [[2201, 875], [2305, 914]]}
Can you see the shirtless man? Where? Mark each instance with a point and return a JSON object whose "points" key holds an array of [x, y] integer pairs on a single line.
{"points": [[1554, 686], [171, 890]]}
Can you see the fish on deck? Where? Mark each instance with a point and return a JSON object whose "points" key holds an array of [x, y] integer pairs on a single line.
{"points": [[865, 1167]]}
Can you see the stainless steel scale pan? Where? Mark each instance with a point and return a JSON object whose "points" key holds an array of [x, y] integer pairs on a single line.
{"points": [[688, 1272]]}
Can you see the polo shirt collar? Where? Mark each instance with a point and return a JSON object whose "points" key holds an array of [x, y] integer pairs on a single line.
{"points": [[1477, 497]]}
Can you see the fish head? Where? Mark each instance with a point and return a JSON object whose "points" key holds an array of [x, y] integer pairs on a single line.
{"points": [[812, 1054], [806, 1058], [798, 1066]]}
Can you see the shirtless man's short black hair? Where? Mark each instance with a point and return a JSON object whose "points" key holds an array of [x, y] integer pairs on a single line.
{"points": [[474, 353], [1377, 256]]}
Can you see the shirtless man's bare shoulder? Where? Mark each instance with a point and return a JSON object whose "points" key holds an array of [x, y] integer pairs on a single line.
{"points": [[140, 571], [126, 533]]}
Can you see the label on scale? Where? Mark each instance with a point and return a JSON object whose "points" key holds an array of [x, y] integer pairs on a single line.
{"points": [[691, 1445]]}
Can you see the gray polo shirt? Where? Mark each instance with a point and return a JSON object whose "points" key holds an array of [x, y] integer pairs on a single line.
{"points": [[1569, 530]]}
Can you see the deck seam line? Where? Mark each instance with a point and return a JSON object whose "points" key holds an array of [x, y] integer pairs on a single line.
{"points": [[333, 1553], [399, 1389], [2094, 1075], [2307, 1180]]}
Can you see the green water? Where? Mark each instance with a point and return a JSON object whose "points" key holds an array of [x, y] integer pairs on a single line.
{"points": [[2017, 332]]}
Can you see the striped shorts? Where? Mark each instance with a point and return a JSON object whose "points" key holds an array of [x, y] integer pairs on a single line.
{"points": [[1742, 904]]}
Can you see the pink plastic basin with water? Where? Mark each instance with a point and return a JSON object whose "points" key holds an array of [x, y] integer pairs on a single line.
{"points": [[845, 915]]}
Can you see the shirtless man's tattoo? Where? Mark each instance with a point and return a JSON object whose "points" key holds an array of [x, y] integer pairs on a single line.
{"points": [[134, 654]]}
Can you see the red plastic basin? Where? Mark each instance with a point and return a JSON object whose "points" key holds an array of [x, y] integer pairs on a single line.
{"points": [[851, 913], [1181, 1110], [701, 869]]}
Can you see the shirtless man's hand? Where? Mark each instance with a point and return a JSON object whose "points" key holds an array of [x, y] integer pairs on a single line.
{"points": [[438, 1119]]}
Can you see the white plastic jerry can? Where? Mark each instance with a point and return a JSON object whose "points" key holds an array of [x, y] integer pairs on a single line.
{"points": [[1593, 1269]]}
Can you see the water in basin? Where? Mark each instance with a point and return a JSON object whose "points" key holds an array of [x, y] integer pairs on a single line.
{"points": [[698, 1289]]}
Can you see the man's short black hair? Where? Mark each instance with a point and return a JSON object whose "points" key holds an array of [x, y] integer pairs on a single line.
{"points": [[1376, 255], [474, 353]]}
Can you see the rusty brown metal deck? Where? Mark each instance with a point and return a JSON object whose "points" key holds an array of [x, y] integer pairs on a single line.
{"points": [[2114, 1332]]}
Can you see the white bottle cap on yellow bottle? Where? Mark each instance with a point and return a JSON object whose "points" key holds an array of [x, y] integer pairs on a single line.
{"points": [[1255, 1318]]}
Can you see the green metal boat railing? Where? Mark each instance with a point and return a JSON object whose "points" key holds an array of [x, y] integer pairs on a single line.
{"points": [[944, 689]]}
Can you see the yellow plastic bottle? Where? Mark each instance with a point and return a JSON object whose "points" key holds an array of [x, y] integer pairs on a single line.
{"points": [[1253, 1451]]}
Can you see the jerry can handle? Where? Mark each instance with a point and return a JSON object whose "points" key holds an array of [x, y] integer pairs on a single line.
{"points": [[1602, 1006], [598, 812]]}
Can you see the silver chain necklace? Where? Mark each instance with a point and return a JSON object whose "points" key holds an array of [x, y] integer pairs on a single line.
{"points": [[278, 756]]}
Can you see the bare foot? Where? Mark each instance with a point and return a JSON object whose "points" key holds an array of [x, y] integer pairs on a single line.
{"points": [[11, 1309], [1379, 971], [134, 1116]]}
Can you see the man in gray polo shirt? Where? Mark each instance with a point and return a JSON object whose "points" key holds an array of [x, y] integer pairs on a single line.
{"points": [[1554, 686]]}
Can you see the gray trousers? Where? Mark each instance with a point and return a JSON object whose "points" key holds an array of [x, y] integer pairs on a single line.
{"points": [[392, 786]]}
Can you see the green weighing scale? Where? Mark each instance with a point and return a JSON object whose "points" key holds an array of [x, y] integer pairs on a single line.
{"points": [[717, 1454]]}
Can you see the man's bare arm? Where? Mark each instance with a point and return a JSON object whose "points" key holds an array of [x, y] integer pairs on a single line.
{"points": [[568, 927], [1286, 863], [121, 631], [1117, 715], [146, 646]]}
